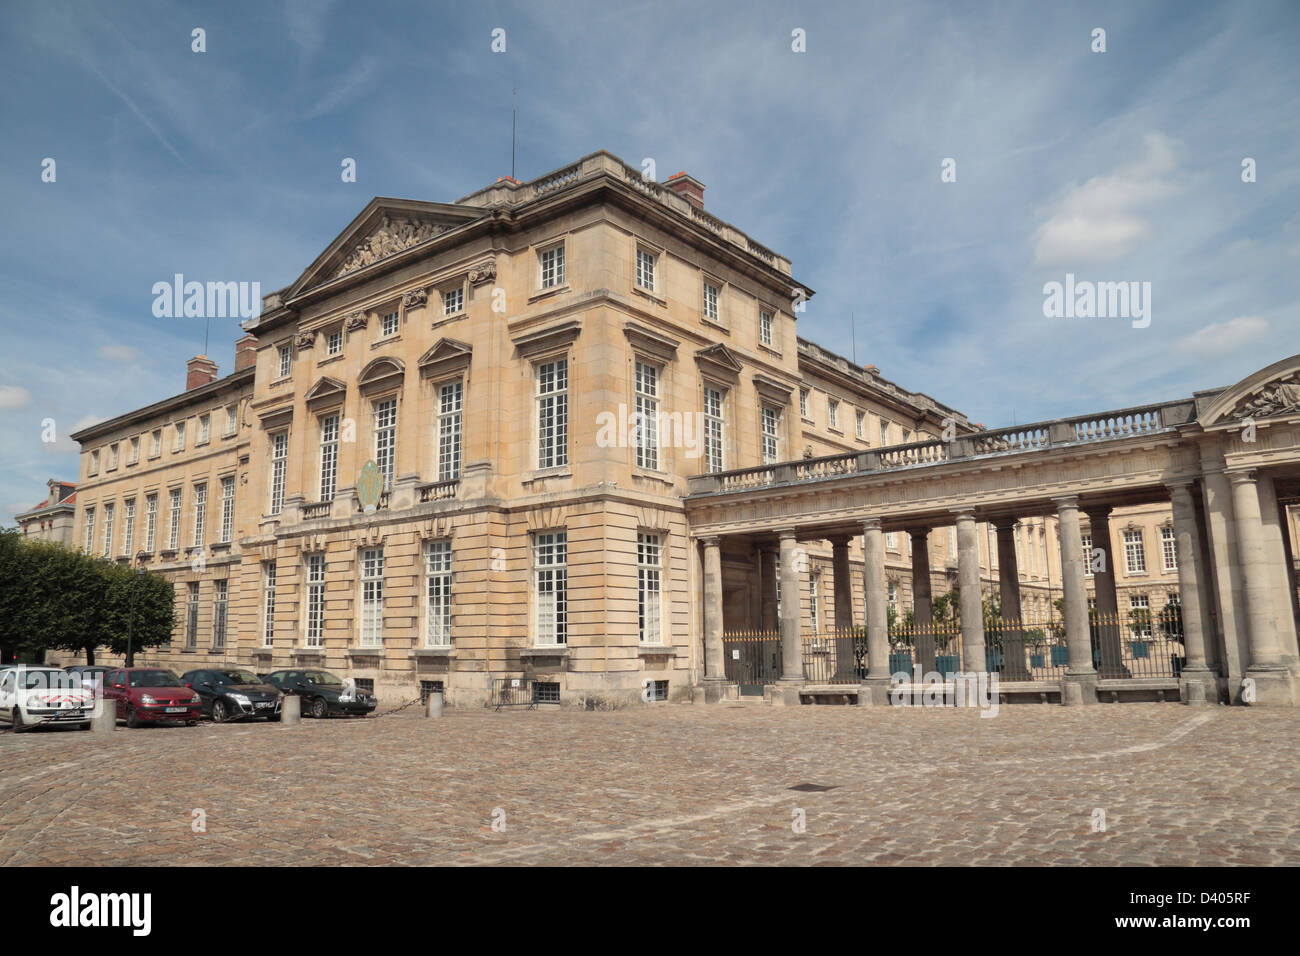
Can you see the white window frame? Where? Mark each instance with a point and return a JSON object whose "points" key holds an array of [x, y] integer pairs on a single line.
{"points": [[551, 588], [1135, 555], [328, 429], [451, 407], [200, 513], [649, 578], [860, 423], [832, 413], [285, 354], [453, 301], [205, 428], [551, 266], [269, 575], [437, 593], [390, 323], [334, 342], [150, 521], [220, 612], [645, 430], [155, 443], [314, 605], [110, 509], [770, 421], [551, 404], [175, 502], [279, 455], [767, 328], [371, 565], [803, 403], [192, 616], [384, 419], [178, 436], [227, 509], [711, 305], [715, 453], [128, 526], [1087, 555], [1169, 548], [647, 268]]}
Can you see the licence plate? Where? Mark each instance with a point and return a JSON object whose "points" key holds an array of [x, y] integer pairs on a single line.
{"points": [[175, 710], [263, 704], [73, 713]]}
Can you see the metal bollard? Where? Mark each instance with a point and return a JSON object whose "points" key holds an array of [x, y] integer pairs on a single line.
{"points": [[433, 704], [290, 709]]}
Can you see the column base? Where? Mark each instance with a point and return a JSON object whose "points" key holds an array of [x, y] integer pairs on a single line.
{"points": [[874, 691], [714, 689], [1077, 689], [784, 693], [1273, 686], [1197, 686]]}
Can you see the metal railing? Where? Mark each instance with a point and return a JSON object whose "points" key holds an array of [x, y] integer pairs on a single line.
{"points": [[752, 659], [513, 692], [1138, 644], [835, 656]]}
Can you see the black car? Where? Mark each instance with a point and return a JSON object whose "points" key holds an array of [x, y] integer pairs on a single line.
{"points": [[88, 673], [322, 693], [228, 693]]}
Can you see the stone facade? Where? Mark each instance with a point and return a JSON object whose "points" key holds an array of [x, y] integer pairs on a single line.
{"points": [[54, 518]]}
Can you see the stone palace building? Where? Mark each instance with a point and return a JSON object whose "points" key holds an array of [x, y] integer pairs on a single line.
{"points": [[604, 460]]}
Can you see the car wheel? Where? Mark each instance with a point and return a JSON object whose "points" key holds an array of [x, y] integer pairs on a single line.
{"points": [[132, 720], [219, 713], [17, 720], [319, 708]]}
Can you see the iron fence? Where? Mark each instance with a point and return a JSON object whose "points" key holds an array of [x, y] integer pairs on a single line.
{"points": [[1137, 643], [513, 692], [752, 658], [835, 657]]}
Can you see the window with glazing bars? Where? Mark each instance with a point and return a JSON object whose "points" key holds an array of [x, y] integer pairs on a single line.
{"points": [[315, 623], [553, 414], [329, 456], [550, 586], [386, 439], [450, 401], [437, 569], [713, 452], [649, 555], [372, 597], [646, 437]]}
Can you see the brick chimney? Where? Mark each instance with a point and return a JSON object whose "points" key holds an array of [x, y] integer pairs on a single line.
{"points": [[688, 186], [199, 371], [245, 352]]}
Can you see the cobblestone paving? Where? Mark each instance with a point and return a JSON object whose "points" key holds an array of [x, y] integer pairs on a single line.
{"points": [[676, 784]]}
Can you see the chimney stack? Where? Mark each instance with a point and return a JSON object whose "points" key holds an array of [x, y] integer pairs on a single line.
{"points": [[245, 352], [199, 370], [688, 186]]}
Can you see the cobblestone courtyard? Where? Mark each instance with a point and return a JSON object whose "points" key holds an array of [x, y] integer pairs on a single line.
{"points": [[676, 784]]}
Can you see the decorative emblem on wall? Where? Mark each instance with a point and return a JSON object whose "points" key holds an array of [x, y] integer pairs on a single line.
{"points": [[357, 320], [390, 238], [370, 486], [305, 340], [483, 272], [414, 298]]}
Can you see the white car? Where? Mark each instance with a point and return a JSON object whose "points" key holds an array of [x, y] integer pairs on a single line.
{"points": [[31, 695]]}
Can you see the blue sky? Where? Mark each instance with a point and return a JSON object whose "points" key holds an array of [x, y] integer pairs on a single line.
{"points": [[1123, 165]]}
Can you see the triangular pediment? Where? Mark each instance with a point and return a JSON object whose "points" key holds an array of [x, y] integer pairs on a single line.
{"points": [[720, 359], [1269, 392], [325, 388], [445, 353], [385, 228]]}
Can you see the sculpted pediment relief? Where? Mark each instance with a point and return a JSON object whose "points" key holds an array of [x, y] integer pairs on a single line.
{"points": [[392, 235], [1275, 398], [1269, 392]]}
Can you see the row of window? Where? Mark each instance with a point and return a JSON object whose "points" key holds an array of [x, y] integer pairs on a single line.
{"points": [[112, 453], [549, 587], [1135, 555], [859, 422], [172, 541]]}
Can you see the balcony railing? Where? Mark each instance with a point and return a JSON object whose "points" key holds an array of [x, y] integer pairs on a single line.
{"points": [[438, 490], [1106, 426], [319, 509]]}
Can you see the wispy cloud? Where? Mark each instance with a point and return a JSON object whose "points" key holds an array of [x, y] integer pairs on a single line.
{"points": [[14, 396], [1224, 338]]}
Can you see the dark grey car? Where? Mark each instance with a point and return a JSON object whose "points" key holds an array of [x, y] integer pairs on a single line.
{"points": [[230, 693]]}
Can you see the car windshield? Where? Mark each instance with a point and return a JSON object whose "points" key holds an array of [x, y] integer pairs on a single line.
{"points": [[237, 677], [48, 678], [321, 677], [154, 679]]}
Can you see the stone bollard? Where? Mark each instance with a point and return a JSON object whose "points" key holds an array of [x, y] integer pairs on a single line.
{"points": [[104, 722], [290, 710], [433, 704]]}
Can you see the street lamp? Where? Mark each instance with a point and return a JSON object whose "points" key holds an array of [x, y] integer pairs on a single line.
{"points": [[130, 621]]}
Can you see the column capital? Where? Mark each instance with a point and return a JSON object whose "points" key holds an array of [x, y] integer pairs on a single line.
{"points": [[1181, 484], [709, 540], [840, 540], [1005, 524], [919, 531], [1101, 511], [1066, 501], [1244, 476], [870, 524], [963, 513], [785, 534]]}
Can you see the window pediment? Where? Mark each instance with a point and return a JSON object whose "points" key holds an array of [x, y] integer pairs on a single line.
{"points": [[772, 390], [718, 361], [326, 391], [381, 373], [650, 343], [550, 339], [445, 358]]}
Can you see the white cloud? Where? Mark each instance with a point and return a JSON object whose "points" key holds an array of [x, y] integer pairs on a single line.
{"points": [[1100, 220], [1221, 338], [118, 353], [14, 396]]}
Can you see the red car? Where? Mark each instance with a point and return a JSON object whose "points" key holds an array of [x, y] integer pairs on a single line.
{"points": [[150, 695]]}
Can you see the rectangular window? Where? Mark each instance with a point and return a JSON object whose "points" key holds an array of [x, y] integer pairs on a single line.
{"points": [[386, 440], [372, 597], [832, 413], [453, 301], [155, 443], [803, 403], [893, 595], [232, 419], [150, 522], [205, 429], [814, 602], [279, 462], [1087, 555], [329, 456], [334, 342], [646, 430], [860, 425], [268, 603], [645, 270], [174, 519], [219, 603], [93, 467], [314, 632], [771, 435], [891, 540], [1134, 552], [713, 454], [1169, 548], [450, 403], [192, 617], [108, 529], [227, 509], [764, 327], [133, 455], [200, 514], [178, 437], [128, 531], [649, 551], [711, 301], [884, 432], [437, 572], [551, 262], [550, 586], [553, 414], [1139, 606], [388, 323], [286, 360], [112, 456]]}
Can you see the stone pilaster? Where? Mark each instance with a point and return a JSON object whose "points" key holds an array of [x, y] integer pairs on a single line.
{"points": [[972, 603], [1197, 684], [1272, 679], [1080, 683]]}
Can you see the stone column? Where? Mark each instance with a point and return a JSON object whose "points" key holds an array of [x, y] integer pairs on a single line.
{"points": [[922, 599], [1197, 684], [715, 678], [791, 639], [1273, 525], [843, 583], [1272, 679], [876, 595], [1080, 683], [1109, 628], [1011, 632], [767, 590], [972, 603]]}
